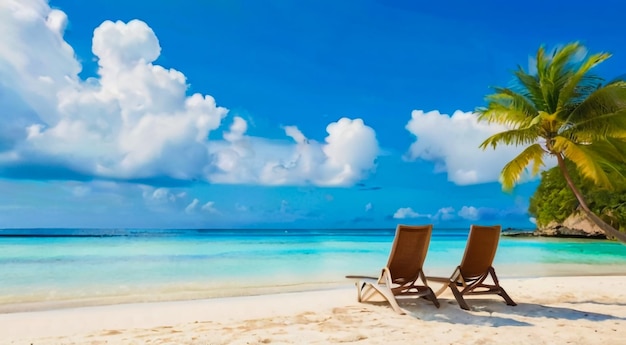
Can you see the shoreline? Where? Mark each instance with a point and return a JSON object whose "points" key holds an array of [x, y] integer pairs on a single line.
{"points": [[181, 294], [581, 310], [171, 297], [168, 296]]}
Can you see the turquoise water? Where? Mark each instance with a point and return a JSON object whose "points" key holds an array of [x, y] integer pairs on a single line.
{"points": [[95, 266]]}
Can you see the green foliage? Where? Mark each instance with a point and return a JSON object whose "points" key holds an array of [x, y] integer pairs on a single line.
{"points": [[554, 201]]}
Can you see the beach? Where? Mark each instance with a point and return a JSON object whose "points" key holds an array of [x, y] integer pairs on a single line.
{"points": [[551, 310], [278, 287]]}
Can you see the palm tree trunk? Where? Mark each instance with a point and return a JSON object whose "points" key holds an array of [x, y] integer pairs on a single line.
{"points": [[608, 229]]}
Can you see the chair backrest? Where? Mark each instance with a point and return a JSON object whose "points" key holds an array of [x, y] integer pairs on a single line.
{"points": [[480, 250], [408, 250]]}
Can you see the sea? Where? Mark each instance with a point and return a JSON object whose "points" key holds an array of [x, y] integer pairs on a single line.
{"points": [[50, 268]]}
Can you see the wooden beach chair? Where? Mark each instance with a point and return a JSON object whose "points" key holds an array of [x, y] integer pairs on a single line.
{"points": [[470, 277], [403, 275]]}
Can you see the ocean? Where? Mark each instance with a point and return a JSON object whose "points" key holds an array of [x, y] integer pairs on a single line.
{"points": [[57, 267]]}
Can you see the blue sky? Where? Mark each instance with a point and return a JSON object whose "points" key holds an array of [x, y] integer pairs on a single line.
{"points": [[279, 113]]}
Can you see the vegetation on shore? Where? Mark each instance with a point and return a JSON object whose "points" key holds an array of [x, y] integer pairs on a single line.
{"points": [[564, 111], [554, 202]]}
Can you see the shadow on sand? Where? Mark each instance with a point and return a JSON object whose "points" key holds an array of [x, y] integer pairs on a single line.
{"points": [[495, 313]]}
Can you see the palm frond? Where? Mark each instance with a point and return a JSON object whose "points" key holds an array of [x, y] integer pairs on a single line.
{"points": [[499, 114], [512, 171], [550, 96], [548, 74], [612, 153], [611, 125], [517, 137], [562, 57], [588, 161], [620, 145], [580, 84], [586, 86], [601, 109], [558, 70], [542, 60], [529, 85], [514, 100], [508, 108], [611, 149]]}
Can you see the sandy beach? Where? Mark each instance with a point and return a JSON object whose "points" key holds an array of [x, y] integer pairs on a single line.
{"points": [[551, 310]]}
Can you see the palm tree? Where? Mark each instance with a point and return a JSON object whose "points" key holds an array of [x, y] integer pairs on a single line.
{"points": [[564, 111]]}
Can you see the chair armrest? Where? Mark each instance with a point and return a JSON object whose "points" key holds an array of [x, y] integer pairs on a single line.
{"points": [[360, 277]]}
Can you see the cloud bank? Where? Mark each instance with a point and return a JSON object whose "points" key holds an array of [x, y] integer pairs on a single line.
{"points": [[452, 142], [134, 121], [467, 213]]}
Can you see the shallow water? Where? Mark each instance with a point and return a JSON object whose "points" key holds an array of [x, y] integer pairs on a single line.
{"points": [[110, 266]]}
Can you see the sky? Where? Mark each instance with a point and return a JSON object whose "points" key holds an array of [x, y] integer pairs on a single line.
{"points": [[269, 114]]}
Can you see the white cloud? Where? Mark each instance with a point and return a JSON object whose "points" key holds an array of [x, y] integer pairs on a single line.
{"points": [[237, 130], [368, 207], [209, 207], [161, 195], [407, 212], [294, 133], [347, 154], [469, 213], [452, 142], [533, 220], [191, 208], [163, 199], [134, 120], [444, 213]]}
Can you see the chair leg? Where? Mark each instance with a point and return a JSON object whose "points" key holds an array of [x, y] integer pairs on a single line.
{"points": [[385, 291], [501, 291], [458, 296], [364, 291], [506, 297], [359, 290], [431, 297]]}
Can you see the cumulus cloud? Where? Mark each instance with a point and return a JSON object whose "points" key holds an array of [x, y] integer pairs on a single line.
{"points": [[161, 195], [444, 213], [191, 208], [407, 212], [135, 121], [469, 213], [209, 207], [347, 154], [486, 214], [452, 142]]}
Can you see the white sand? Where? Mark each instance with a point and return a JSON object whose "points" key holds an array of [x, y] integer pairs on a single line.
{"points": [[569, 310]]}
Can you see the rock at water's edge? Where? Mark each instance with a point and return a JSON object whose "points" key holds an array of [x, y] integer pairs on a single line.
{"points": [[576, 225], [509, 232]]}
